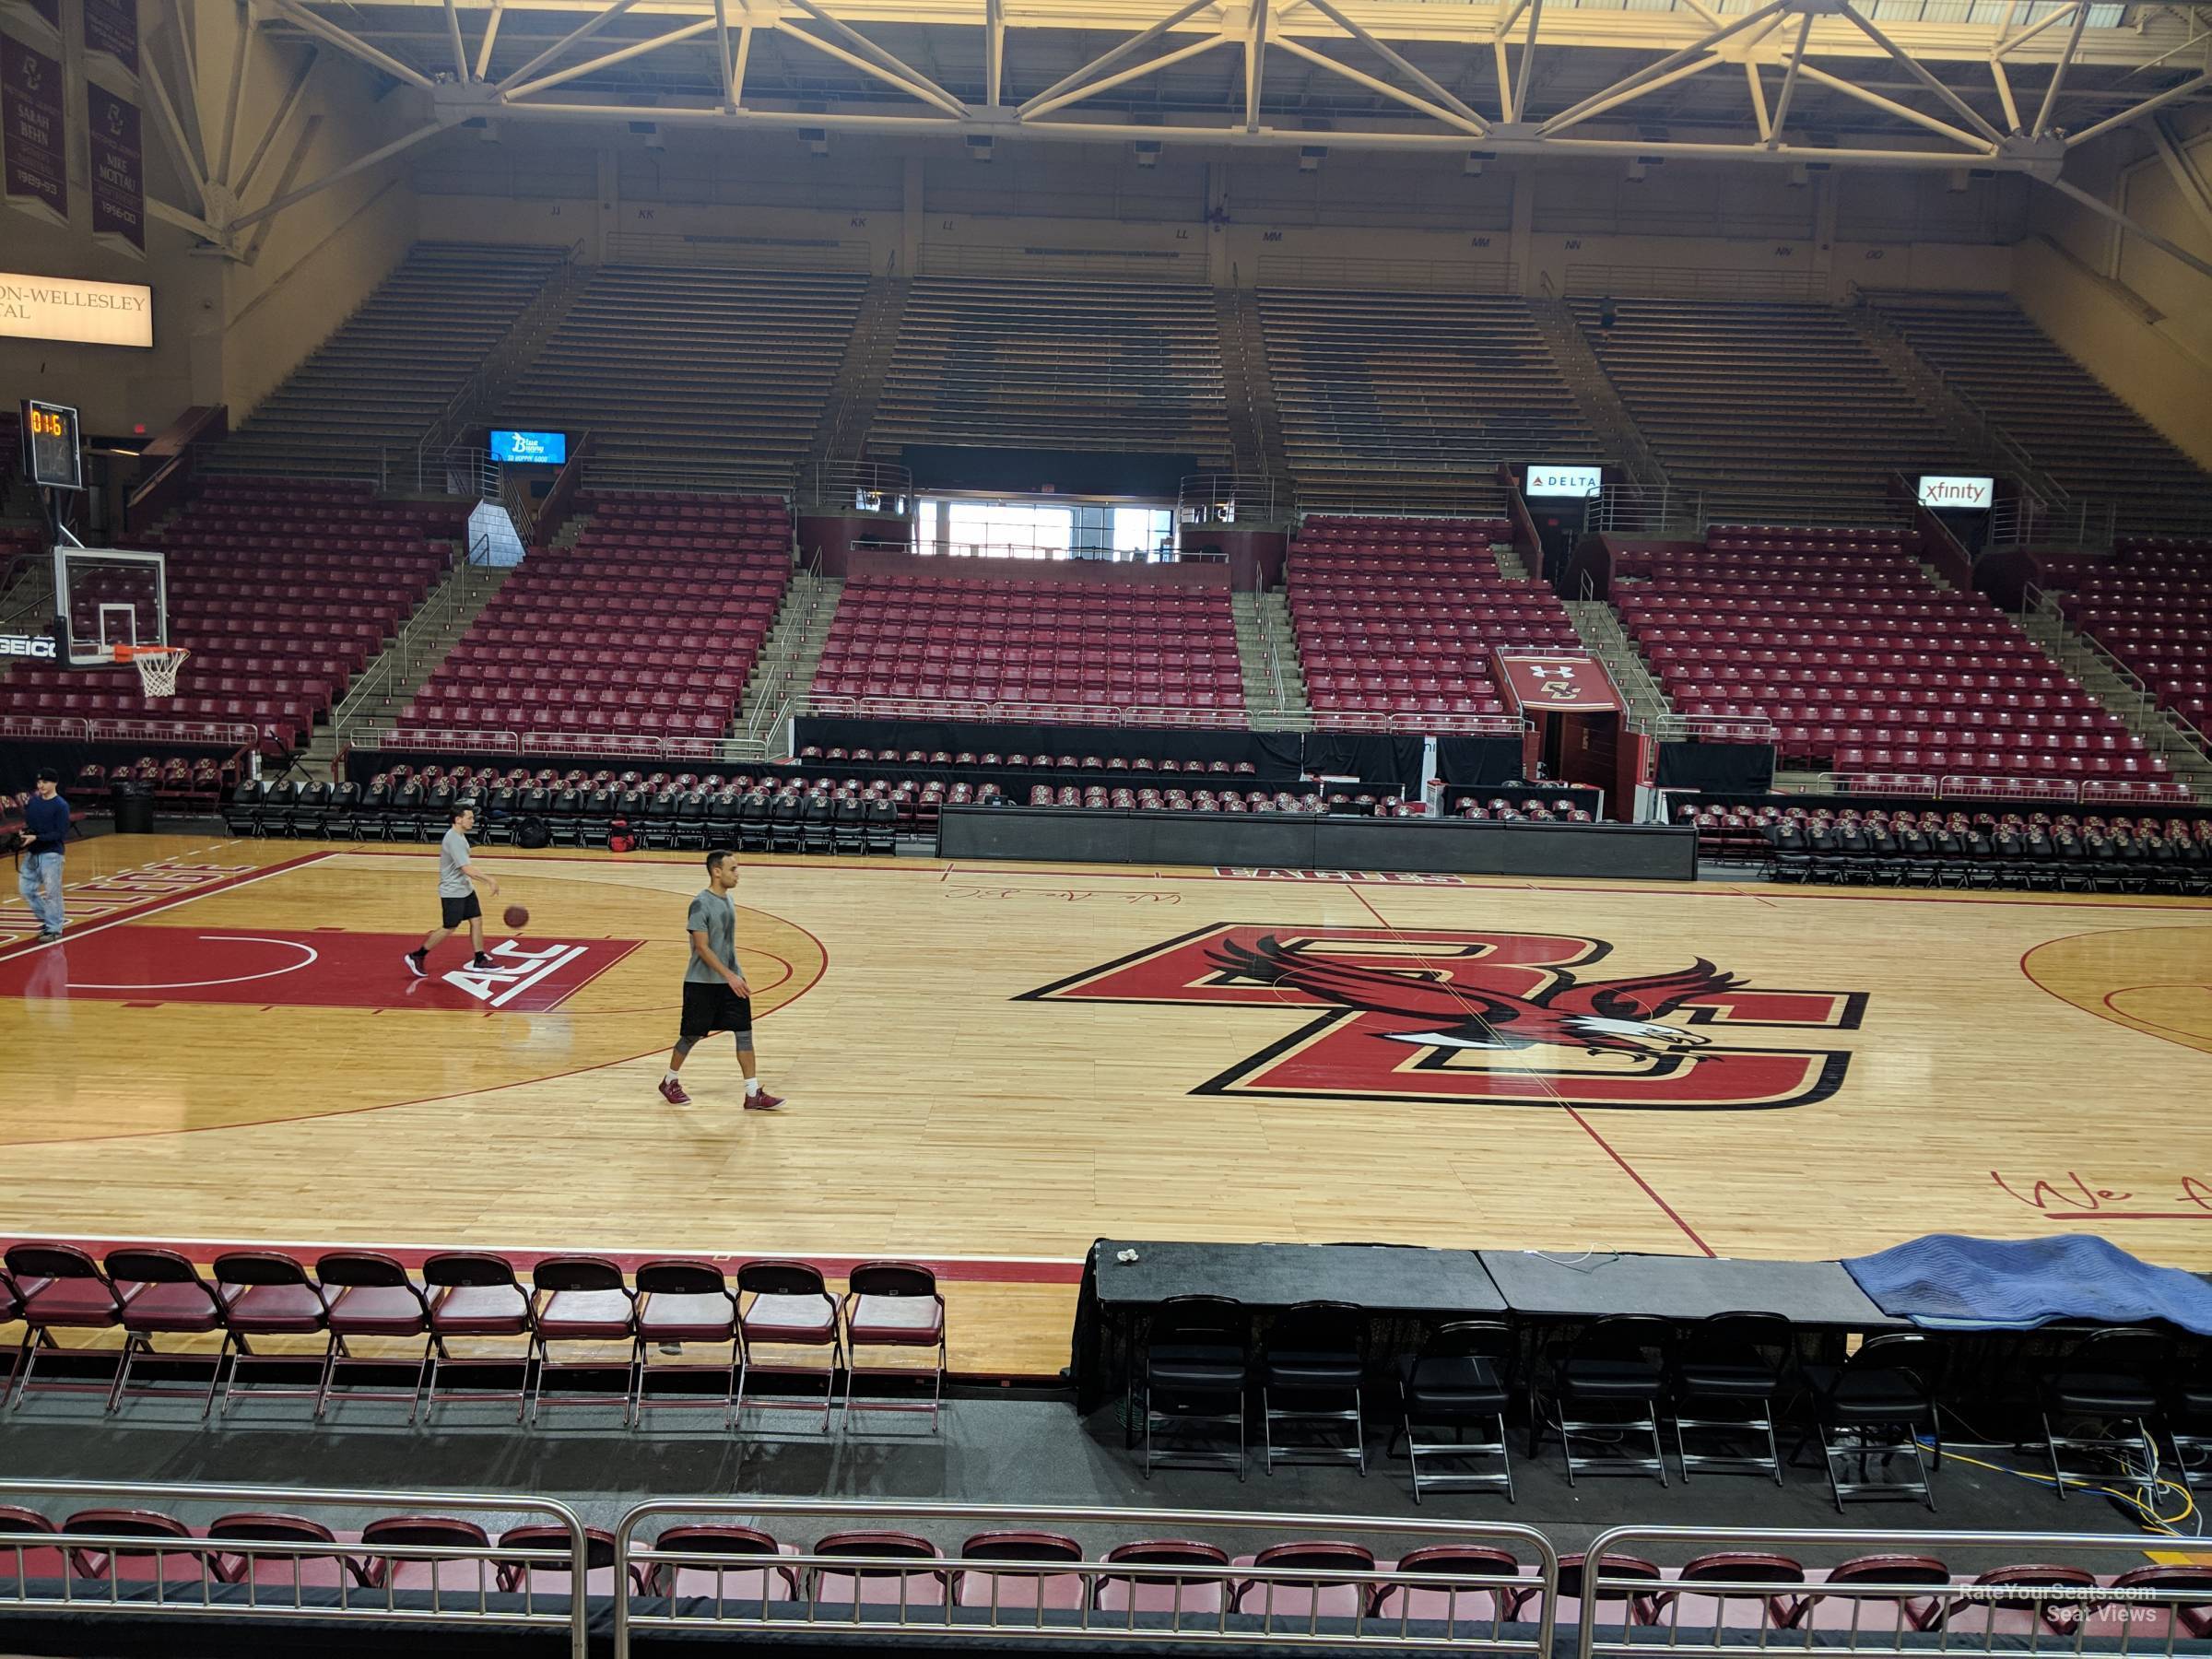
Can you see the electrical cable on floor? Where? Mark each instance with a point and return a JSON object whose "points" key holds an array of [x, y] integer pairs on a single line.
{"points": [[2155, 1482]]}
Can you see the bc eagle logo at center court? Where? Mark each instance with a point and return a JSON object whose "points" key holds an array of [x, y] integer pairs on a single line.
{"points": [[1486, 1019]]}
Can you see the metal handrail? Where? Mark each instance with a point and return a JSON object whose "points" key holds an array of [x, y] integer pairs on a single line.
{"points": [[575, 1616], [1761, 1641], [1230, 497], [1692, 728], [434, 612], [1392, 1633]]}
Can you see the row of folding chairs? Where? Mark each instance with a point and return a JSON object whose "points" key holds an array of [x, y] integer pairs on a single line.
{"points": [[776, 1319]]}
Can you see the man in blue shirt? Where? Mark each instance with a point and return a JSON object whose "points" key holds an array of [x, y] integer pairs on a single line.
{"points": [[46, 819]]}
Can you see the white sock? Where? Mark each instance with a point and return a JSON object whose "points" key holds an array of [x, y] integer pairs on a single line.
{"points": [[752, 1086], [669, 1077]]}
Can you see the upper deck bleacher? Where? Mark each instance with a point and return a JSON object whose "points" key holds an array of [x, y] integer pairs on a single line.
{"points": [[692, 377], [1775, 410], [2077, 428], [1384, 394], [1117, 366], [388, 371]]}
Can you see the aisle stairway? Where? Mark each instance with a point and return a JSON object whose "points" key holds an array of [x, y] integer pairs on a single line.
{"points": [[2104, 678], [1275, 685], [372, 703], [789, 656]]}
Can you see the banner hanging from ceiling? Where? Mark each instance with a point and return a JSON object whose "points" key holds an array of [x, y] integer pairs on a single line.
{"points": [[118, 171], [112, 30], [34, 170]]}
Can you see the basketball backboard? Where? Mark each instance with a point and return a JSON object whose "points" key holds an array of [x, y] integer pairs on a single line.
{"points": [[105, 597]]}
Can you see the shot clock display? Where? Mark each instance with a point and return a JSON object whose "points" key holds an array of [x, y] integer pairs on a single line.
{"points": [[51, 454]]}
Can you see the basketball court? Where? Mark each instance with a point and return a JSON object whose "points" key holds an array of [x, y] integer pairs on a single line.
{"points": [[991, 1065]]}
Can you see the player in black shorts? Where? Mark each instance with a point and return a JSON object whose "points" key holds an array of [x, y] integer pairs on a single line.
{"points": [[716, 997]]}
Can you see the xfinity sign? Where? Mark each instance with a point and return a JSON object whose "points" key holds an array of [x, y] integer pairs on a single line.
{"points": [[27, 646], [1561, 480], [1965, 495]]}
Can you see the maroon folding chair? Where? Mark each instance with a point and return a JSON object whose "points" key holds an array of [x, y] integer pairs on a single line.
{"points": [[715, 1577], [374, 1300], [25, 1552], [582, 1299], [1637, 1607], [791, 1309], [1306, 1598], [1441, 1593], [2055, 1610], [900, 1587], [163, 1294], [124, 1563], [550, 1567], [1152, 1585], [59, 1287], [449, 1580], [680, 1302], [266, 1293], [296, 1569], [1778, 1611], [1898, 1571], [475, 1297], [996, 1587], [894, 1305], [2190, 1588]]}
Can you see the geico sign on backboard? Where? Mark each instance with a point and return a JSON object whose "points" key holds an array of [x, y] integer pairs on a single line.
{"points": [[1561, 480], [70, 308], [1971, 495], [27, 646]]}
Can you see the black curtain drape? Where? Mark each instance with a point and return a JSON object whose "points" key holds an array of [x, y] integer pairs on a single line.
{"points": [[1733, 769]]}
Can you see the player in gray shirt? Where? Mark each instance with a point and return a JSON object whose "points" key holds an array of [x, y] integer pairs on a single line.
{"points": [[456, 896], [716, 997]]}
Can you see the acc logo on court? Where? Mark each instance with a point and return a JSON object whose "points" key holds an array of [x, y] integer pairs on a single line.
{"points": [[1485, 1019]]}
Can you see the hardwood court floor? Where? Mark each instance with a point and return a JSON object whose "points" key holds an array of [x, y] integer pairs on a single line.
{"points": [[1005, 1062]]}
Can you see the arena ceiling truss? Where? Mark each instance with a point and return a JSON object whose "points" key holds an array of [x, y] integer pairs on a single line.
{"points": [[1956, 85]]}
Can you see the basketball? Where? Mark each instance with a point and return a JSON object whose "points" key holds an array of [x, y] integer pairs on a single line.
{"points": [[517, 915]]}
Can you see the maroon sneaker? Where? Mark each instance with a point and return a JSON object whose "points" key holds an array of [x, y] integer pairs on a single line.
{"points": [[672, 1093], [763, 1102]]}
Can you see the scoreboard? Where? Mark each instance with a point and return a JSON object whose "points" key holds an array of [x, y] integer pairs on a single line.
{"points": [[51, 456]]}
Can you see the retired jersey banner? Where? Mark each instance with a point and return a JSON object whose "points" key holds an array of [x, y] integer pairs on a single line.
{"points": [[118, 171], [1579, 684], [36, 168], [111, 27]]}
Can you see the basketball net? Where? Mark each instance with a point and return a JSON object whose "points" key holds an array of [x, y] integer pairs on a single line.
{"points": [[156, 667]]}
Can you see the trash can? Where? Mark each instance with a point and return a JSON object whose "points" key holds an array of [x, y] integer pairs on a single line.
{"points": [[134, 805]]}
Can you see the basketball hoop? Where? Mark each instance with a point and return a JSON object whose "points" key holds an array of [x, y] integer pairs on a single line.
{"points": [[156, 667]]}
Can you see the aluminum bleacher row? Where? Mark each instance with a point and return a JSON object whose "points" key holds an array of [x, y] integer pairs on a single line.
{"points": [[697, 374], [2150, 605], [1906, 846], [1767, 406], [1062, 365], [283, 591], [649, 623], [383, 377], [1863, 664], [1075, 645], [1399, 617], [2080, 433], [1384, 393]]}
